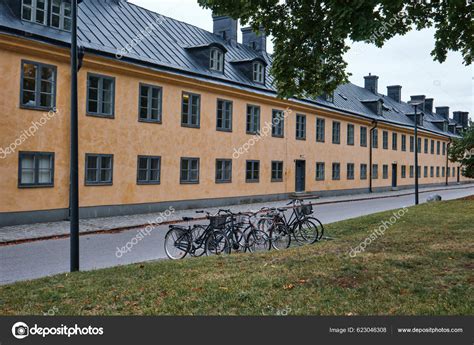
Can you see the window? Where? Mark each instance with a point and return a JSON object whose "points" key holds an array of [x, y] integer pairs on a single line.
{"points": [[189, 170], [363, 171], [350, 134], [148, 170], [278, 123], [150, 103], [258, 73], [217, 60], [432, 146], [277, 171], [448, 172], [61, 14], [438, 148], [394, 141], [224, 115], [320, 174], [300, 127], [38, 86], [253, 119], [431, 171], [425, 172], [419, 171], [252, 172], [412, 171], [223, 170], [412, 143], [426, 145], [36, 169], [375, 138], [385, 140], [320, 129], [419, 145], [191, 110], [363, 136], [350, 171], [375, 171], [100, 95], [437, 171], [443, 171], [404, 142], [454, 171], [99, 169], [444, 149], [404, 171], [34, 11], [385, 171], [336, 171], [336, 132]]}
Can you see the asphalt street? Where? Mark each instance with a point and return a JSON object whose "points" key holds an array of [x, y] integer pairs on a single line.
{"points": [[43, 258]]}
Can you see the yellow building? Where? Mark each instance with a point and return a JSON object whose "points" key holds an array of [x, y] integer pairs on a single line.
{"points": [[170, 114]]}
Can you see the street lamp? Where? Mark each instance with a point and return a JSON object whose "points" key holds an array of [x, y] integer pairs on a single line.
{"points": [[417, 196], [74, 162]]}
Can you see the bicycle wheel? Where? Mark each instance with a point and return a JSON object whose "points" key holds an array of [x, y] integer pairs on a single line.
{"points": [[217, 243], [319, 225], [199, 240], [177, 243], [305, 232], [280, 237], [257, 241]]}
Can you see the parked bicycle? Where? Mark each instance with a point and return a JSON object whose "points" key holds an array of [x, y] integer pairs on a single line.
{"points": [[196, 240]]}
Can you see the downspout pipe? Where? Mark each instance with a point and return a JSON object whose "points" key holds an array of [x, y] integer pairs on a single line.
{"points": [[447, 161], [374, 127]]}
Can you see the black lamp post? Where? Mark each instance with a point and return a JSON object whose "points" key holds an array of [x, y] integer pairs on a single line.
{"points": [[74, 163], [417, 197]]}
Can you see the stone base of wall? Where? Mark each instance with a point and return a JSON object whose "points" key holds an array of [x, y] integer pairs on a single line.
{"points": [[30, 217]]}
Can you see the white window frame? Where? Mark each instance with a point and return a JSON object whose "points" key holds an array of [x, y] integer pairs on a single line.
{"points": [[34, 9], [258, 72], [216, 62], [62, 16]]}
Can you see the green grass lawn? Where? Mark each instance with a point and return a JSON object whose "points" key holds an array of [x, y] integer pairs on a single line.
{"points": [[422, 266]]}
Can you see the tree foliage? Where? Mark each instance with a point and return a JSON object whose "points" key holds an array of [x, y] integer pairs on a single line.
{"points": [[462, 151], [311, 36]]}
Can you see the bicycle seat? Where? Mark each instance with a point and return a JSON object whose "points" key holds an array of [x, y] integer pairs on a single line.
{"points": [[187, 219], [281, 209]]}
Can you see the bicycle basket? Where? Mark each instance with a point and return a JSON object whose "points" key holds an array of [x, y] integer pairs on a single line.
{"points": [[304, 210], [218, 222]]}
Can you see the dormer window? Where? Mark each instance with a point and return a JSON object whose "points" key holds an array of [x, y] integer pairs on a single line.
{"points": [[61, 14], [258, 72], [34, 11], [217, 60]]}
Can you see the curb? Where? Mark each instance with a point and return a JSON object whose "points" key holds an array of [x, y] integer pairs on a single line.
{"points": [[171, 222]]}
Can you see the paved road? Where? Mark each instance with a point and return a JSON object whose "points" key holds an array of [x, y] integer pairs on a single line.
{"points": [[43, 258]]}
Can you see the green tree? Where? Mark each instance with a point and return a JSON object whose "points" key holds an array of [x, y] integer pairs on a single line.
{"points": [[462, 151], [310, 37]]}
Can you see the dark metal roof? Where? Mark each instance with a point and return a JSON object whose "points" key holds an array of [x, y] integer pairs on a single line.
{"points": [[112, 27]]}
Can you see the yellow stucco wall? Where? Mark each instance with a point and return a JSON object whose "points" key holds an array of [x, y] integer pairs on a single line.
{"points": [[126, 138]]}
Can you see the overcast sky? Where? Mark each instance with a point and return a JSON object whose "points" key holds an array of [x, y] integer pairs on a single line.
{"points": [[402, 61]]}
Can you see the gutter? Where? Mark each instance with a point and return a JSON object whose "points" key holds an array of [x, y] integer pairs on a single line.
{"points": [[374, 127]]}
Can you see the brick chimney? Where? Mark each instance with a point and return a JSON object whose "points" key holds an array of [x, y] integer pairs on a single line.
{"points": [[225, 27], [255, 40], [429, 105], [443, 111], [371, 83], [419, 99], [395, 92]]}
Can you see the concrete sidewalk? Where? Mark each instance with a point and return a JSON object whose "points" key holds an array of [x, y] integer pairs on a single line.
{"points": [[21, 233]]}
